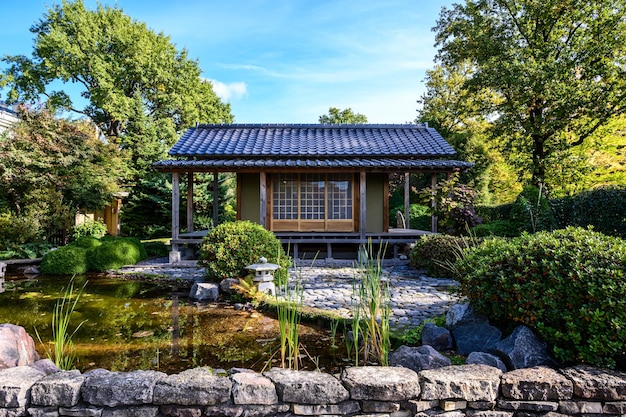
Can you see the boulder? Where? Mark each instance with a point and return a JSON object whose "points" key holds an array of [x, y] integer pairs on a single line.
{"points": [[113, 389], [17, 348], [226, 285], [463, 314], [461, 382], [198, 386], [204, 291], [418, 358], [522, 349], [252, 388], [307, 387], [437, 337], [536, 384], [46, 366], [381, 383], [483, 358], [595, 383], [58, 389], [480, 337]]}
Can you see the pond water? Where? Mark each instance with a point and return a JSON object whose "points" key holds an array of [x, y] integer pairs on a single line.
{"points": [[132, 325]]}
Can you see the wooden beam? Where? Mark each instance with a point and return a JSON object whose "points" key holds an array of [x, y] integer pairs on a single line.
{"points": [[216, 198], [407, 199], [363, 205], [175, 205], [433, 203], [190, 201], [263, 198]]}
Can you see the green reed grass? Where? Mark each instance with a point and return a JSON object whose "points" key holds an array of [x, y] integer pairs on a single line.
{"points": [[63, 352], [289, 317]]}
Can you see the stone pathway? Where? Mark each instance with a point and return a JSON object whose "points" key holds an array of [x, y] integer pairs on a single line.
{"points": [[329, 286]]}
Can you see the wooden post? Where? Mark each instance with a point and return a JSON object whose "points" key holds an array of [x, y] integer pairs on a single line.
{"points": [[190, 201], [216, 198], [407, 202], [363, 207], [433, 202], [175, 254], [263, 198]]}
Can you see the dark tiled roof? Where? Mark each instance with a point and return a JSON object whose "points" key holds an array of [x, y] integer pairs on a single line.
{"points": [[311, 141], [242, 164]]}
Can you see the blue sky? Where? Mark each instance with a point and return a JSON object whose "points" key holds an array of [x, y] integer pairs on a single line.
{"points": [[285, 61]]}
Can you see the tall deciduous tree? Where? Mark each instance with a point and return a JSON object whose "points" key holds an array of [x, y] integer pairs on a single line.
{"points": [[346, 116], [557, 66], [140, 90]]}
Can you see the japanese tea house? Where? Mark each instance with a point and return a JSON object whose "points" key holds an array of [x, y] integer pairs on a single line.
{"points": [[308, 183]]}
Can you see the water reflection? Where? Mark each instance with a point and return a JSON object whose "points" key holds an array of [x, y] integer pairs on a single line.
{"points": [[137, 325]]}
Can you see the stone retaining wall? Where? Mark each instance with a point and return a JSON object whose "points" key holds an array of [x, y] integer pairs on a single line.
{"points": [[453, 391]]}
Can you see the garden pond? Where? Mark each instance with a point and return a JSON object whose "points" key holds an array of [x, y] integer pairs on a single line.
{"points": [[131, 324]]}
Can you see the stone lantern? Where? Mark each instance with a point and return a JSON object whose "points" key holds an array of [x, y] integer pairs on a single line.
{"points": [[264, 275]]}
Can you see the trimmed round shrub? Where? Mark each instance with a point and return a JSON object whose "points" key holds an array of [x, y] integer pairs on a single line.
{"points": [[67, 260], [87, 242], [569, 286], [115, 253], [438, 253], [231, 246], [95, 228]]}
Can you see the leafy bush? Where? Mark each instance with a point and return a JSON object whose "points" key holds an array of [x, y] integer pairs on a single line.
{"points": [[532, 212], [18, 230], [437, 253], [231, 246], [93, 228], [504, 228], [156, 249], [569, 286], [602, 208], [67, 260], [115, 253]]}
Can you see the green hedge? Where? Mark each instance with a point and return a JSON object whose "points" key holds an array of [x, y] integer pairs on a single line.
{"points": [[231, 246], [569, 286], [113, 254], [603, 208]]}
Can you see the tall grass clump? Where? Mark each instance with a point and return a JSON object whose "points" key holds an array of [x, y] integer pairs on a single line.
{"points": [[371, 308], [288, 312], [63, 352]]}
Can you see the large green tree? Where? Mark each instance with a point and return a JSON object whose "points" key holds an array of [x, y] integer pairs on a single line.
{"points": [[557, 68], [140, 90], [345, 116], [51, 167]]}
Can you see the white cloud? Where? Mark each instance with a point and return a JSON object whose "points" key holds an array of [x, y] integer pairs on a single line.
{"points": [[226, 91]]}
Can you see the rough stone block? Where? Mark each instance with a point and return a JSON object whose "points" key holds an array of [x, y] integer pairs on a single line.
{"points": [[536, 384], [13, 412], [198, 386], [590, 407], [180, 411], [381, 383], [597, 384], [461, 382], [481, 405], [417, 406], [81, 411], [490, 413], [61, 389], [249, 388], [15, 385], [452, 405], [534, 406], [43, 412], [142, 411], [614, 408], [113, 389], [380, 406], [568, 407], [343, 408], [233, 410], [307, 387]]}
